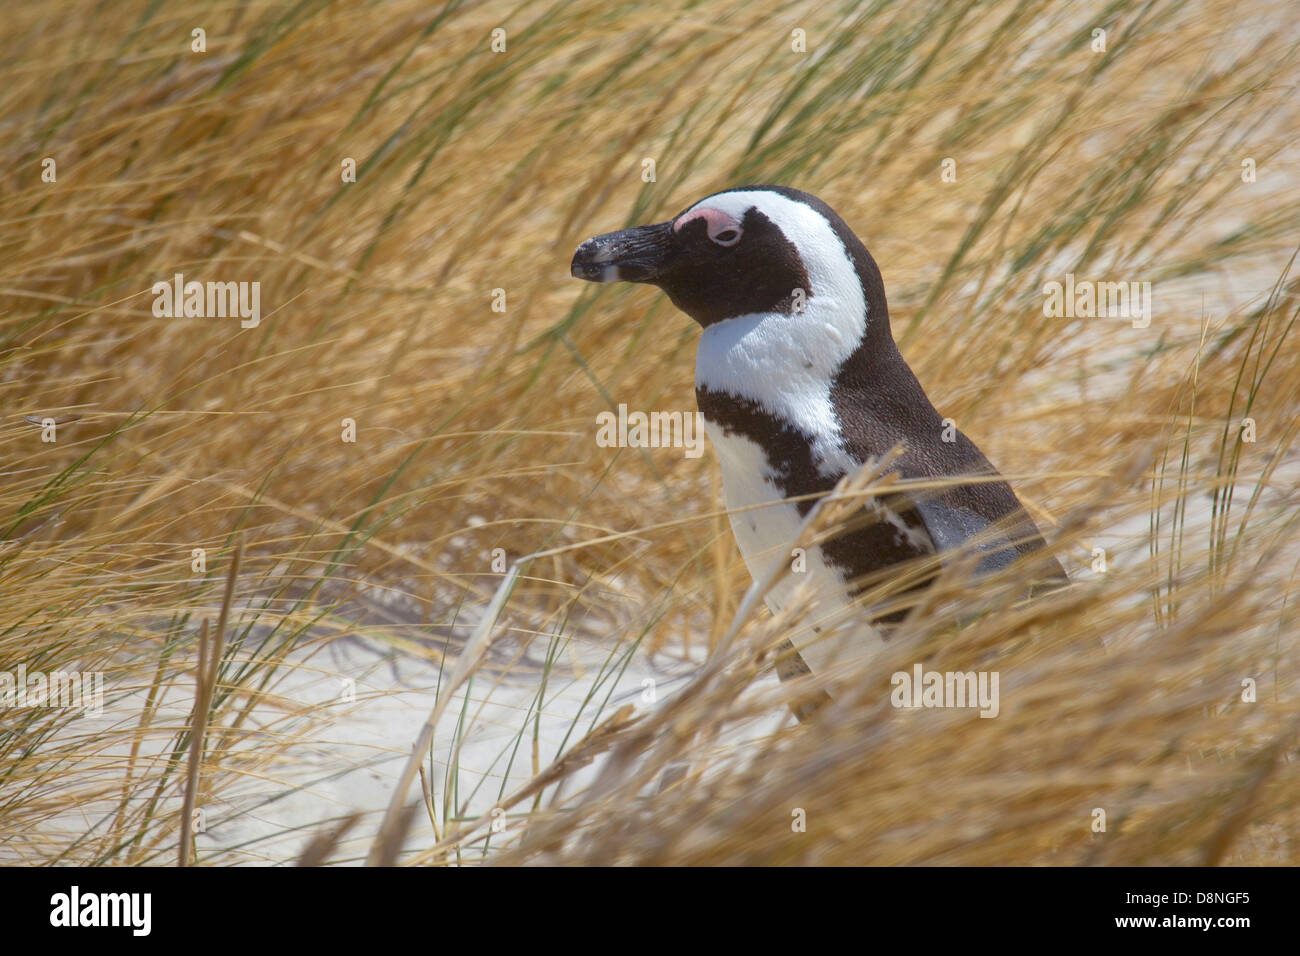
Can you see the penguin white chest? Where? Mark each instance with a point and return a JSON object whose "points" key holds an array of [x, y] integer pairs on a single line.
{"points": [[765, 526], [764, 523]]}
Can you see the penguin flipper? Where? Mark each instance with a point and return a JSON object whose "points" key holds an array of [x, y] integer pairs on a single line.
{"points": [[951, 527]]}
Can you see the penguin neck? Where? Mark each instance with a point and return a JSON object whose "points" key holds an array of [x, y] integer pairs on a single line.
{"points": [[876, 366], [849, 404], [879, 402], [783, 364], [782, 361]]}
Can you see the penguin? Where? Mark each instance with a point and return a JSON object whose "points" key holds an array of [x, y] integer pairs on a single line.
{"points": [[800, 383]]}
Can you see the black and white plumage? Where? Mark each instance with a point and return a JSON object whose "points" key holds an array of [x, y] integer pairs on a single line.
{"points": [[800, 383]]}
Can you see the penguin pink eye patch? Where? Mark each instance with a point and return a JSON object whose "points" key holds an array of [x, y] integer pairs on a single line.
{"points": [[724, 228]]}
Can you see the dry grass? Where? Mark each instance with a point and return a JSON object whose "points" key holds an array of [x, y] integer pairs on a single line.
{"points": [[479, 171]]}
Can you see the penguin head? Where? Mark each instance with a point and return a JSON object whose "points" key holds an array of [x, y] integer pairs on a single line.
{"points": [[756, 250]]}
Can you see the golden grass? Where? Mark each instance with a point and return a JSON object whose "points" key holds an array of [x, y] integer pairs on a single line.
{"points": [[480, 171]]}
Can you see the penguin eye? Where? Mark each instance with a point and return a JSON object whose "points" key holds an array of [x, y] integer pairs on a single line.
{"points": [[722, 227]]}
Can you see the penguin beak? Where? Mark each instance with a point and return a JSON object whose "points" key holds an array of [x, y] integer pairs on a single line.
{"points": [[639, 254]]}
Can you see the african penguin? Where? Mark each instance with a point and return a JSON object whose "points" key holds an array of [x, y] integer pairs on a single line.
{"points": [[800, 383]]}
